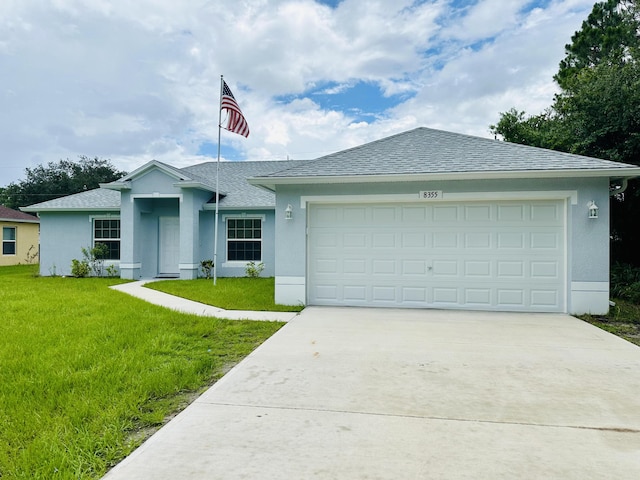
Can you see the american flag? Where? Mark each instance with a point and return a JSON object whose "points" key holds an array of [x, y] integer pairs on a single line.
{"points": [[236, 122]]}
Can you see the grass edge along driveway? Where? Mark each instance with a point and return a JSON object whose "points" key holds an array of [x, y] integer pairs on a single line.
{"points": [[229, 293], [87, 373]]}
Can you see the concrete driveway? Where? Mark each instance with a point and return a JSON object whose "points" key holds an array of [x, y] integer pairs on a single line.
{"points": [[350, 393]]}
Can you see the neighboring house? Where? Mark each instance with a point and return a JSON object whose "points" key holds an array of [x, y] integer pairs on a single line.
{"points": [[422, 219], [20, 233]]}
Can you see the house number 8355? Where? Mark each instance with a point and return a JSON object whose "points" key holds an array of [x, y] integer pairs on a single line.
{"points": [[431, 195]]}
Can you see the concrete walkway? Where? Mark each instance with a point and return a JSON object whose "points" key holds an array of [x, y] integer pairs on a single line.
{"points": [[351, 393], [138, 290]]}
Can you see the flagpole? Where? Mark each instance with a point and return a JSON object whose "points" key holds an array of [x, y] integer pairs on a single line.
{"points": [[215, 227]]}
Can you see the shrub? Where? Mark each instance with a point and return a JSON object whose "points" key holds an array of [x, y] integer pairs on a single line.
{"points": [[112, 271], [207, 268], [80, 268], [93, 261], [624, 276], [632, 293], [252, 270]]}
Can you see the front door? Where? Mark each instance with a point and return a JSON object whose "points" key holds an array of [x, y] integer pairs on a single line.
{"points": [[169, 246]]}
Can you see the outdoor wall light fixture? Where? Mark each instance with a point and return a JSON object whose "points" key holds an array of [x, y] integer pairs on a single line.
{"points": [[288, 212], [593, 209]]}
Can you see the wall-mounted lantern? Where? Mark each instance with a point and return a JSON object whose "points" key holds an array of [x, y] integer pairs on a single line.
{"points": [[593, 209], [288, 212]]}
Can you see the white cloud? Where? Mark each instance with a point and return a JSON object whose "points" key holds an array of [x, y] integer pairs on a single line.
{"points": [[132, 81]]}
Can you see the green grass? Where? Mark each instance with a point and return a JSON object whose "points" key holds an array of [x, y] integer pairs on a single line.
{"points": [[228, 293], [87, 372], [622, 320]]}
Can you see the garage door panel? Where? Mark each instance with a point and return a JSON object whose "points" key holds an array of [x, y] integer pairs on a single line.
{"points": [[546, 213], [545, 270], [446, 268], [500, 256], [545, 240], [445, 240], [480, 297], [444, 295], [477, 213], [414, 294], [511, 240], [511, 213], [544, 298], [383, 267], [383, 240], [447, 214]]}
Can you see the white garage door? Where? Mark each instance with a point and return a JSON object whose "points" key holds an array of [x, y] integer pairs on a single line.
{"points": [[487, 256]]}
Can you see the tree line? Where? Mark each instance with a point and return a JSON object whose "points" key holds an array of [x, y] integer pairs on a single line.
{"points": [[57, 179]]}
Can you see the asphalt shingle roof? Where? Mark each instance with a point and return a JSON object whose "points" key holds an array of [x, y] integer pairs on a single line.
{"points": [[429, 151], [96, 199], [11, 215], [233, 185], [233, 181]]}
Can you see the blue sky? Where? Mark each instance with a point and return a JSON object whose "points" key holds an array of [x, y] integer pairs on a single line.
{"points": [[135, 81]]}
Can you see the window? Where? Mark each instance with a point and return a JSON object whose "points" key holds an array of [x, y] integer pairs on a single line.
{"points": [[107, 232], [244, 239], [8, 240]]}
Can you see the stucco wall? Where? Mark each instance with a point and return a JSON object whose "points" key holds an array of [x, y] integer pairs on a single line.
{"points": [[27, 236], [237, 269], [587, 239], [63, 235]]}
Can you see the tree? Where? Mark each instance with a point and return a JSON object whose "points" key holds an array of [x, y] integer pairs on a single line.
{"points": [[597, 112], [55, 180], [607, 36]]}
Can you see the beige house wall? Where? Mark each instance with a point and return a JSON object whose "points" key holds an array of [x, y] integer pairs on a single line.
{"points": [[27, 243]]}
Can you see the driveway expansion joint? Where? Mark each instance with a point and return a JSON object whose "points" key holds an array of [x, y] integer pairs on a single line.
{"points": [[423, 417]]}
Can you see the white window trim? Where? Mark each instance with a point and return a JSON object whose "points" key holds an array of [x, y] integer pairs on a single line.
{"points": [[14, 241], [243, 216], [92, 219]]}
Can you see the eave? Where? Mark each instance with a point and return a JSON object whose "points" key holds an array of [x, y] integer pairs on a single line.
{"points": [[70, 209], [270, 183]]}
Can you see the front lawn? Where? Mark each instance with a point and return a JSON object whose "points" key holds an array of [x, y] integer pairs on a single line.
{"points": [[87, 373], [622, 320], [229, 293]]}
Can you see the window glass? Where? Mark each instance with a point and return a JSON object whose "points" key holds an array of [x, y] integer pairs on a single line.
{"points": [[8, 240], [244, 239], [107, 232]]}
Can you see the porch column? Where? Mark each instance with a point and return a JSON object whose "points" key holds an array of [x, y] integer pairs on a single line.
{"points": [[189, 240], [130, 264]]}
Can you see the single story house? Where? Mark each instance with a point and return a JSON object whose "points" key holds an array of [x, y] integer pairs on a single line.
{"points": [[421, 219], [20, 237]]}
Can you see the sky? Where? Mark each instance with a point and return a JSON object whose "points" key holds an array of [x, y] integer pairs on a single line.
{"points": [[136, 81]]}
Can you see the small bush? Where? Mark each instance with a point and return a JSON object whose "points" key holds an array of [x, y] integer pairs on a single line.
{"points": [[254, 270], [112, 271], [623, 279], [207, 268], [632, 293], [80, 268]]}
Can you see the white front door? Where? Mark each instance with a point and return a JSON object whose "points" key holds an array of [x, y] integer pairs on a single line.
{"points": [[169, 246], [485, 256]]}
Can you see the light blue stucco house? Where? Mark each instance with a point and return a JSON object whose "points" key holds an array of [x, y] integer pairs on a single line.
{"points": [[422, 219]]}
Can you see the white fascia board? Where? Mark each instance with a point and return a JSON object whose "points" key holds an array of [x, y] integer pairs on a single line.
{"points": [[198, 185], [154, 164], [70, 209], [15, 220], [119, 186], [212, 207], [271, 182]]}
